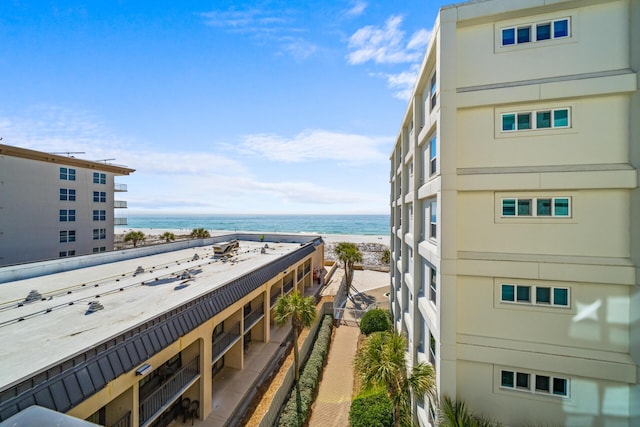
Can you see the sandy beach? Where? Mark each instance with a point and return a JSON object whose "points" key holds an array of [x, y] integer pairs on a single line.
{"points": [[371, 246], [328, 238]]}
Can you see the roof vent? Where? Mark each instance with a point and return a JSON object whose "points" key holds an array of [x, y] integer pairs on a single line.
{"points": [[185, 275], [195, 257], [94, 306], [33, 296], [139, 270]]}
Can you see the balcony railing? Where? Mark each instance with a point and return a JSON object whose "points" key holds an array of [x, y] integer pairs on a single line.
{"points": [[125, 421], [168, 392], [119, 221], [221, 343], [120, 204], [251, 318], [287, 287], [274, 298], [120, 187]]}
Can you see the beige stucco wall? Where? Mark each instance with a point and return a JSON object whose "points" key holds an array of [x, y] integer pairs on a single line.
{"points": [[596, 341], [30, 204], [587, 51]]}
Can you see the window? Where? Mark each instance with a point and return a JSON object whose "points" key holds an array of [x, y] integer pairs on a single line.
{"points": [[99, 196], [433, 219], [68, 174], [67, 215], [540, 207], [99, 215], [432, 349], [524, 34], [535, 32], [433, 155], [99, 178], [99, 233], [544, 119], [534, 383], [67, 236], [63, 254], [432, 285], [534, 294], [68, 194], [433, 91], [99, 249]]}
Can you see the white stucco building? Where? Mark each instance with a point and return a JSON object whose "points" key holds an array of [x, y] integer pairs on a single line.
{"points": [[54, 206], [515, 211]]}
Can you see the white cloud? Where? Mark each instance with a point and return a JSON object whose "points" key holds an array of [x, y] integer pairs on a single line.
{"points": [[386, 45], [266, 27], [402, 83], [208, 181], [248, 20], [317, 144], [357, 8]]}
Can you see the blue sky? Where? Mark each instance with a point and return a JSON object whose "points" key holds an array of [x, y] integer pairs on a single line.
{"points": [[221, 106]]}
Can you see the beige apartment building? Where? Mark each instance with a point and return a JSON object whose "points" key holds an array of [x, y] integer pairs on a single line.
{"points": [[145, 336], [515, 212], [56, 206]]}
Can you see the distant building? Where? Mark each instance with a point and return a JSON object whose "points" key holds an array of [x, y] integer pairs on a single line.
{"points": [[53, 206], [141, 336], [515, 212]]}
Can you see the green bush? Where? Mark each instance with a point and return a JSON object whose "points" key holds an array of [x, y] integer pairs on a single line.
{"points": [[309, 379], [376, 320], [375, 410]]}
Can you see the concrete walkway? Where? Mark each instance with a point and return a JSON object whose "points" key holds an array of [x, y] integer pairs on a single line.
{"points": [[331, 408]]}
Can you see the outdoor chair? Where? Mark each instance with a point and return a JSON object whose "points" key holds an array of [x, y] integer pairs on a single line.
{"points": [[186, 403], [192, 412]]}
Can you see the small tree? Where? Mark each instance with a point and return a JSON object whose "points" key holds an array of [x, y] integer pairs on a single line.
{"points": [[302, 312], [376, 320], [199, 233], [385, 258], [381, 362], [348, 254], [134, 237], [168, 236]]}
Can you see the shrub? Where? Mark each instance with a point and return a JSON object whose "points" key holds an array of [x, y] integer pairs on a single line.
{"points": [[376, 320], [375, 410]]}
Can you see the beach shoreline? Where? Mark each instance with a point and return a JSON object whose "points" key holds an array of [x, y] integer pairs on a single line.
{"points": [[372, 247], [328, 238]]}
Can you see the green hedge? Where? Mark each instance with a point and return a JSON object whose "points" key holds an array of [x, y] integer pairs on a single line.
{"points": [[376, 320], [309, 379], [371, 410]]}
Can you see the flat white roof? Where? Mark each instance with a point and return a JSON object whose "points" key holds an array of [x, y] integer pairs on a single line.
{"points": [[57, 325]]}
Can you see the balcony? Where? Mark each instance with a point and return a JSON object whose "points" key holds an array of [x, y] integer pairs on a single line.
{"points": [[119, 221], [253, 317], [119, 188], [120, 204], [288, 287], [225, 340], [274, 298], [168, 392]]}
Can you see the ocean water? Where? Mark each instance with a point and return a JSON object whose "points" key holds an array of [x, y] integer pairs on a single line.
{"points": [[317, 224]]}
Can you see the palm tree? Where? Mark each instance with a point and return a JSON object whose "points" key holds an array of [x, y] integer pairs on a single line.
{"points": [[134, 237], [199, 233], [381, 362], [348, 254], [385, 258], [302, 312], [454, 413], [168, 236]]}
